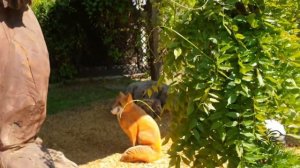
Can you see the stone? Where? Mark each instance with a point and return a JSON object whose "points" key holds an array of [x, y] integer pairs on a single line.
{"points": [[33, 155], [24, 77], [139, 91], [151, 106]]}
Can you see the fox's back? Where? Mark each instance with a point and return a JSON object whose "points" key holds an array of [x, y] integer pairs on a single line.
{"points": [[146, 125], [148, 132]]}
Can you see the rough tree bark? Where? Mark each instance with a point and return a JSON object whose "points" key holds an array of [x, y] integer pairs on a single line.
{"points": [[154, 62]]}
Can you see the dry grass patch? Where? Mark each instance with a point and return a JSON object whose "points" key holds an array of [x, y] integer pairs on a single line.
{"points": [[91, 137]]}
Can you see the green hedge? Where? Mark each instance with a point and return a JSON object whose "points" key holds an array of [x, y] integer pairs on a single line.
{"points": [[85, 33], [232, 64]]}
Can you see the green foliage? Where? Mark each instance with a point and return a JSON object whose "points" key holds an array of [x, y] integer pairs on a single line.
{"points": [[282, 159], [231, 64], [59, 31], [85, 33], [113, 18]]}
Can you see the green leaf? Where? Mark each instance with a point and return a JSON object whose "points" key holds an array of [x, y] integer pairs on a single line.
{"points": [[251, 158], [296, 64], [223, 74], [239, 36], [239, 150], [233, 114], [177, 52], [248, 135], [245, 69], [248, 122], [262, 99], [213, 100], [227, 29], [225, 48], [185, 160], [235, 28], [214, 95], [205, 108], [260, 117], [216, 116], [213, 40], [295, 55], [196, 134], [216, 125], [200, 86], [223, 136], [252, 21], [237, 81], [155, 88], [231, 124], [190, 108], [241, 165], [232, 134], [193, 123], [209, 106], [246, 90], [232, 98], [248, 77], [149, 92], [260, 79]]}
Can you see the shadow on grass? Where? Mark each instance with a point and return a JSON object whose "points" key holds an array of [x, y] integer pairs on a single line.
{"points": [[72, 95]]}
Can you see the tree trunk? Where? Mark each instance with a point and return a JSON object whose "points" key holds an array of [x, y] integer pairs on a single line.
{"points": [[154, 62]]}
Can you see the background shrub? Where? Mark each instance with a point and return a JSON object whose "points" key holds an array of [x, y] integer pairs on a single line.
{"points": [[86, 33], [231, 64]]}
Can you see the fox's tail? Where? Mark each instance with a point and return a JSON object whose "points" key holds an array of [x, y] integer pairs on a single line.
{"points": [[140, 153]]}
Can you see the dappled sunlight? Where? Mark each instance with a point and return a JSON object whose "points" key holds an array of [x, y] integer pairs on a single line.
{"points": [[113, 161]]}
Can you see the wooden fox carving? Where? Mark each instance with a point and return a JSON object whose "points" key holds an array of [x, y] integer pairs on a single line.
{"points": [[141, 129]]}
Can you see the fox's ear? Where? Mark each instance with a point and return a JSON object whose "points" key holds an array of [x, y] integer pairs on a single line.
{"points": [[129, 97], [121, 94]]}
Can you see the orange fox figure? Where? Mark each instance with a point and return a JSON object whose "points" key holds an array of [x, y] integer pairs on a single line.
{"points": [[141, 129]]}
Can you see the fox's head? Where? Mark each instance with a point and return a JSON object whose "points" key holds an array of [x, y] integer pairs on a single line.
{"points": [[121, 100]]}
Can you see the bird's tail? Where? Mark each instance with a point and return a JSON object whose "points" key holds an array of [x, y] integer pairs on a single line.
{"points": [[275, 131]]}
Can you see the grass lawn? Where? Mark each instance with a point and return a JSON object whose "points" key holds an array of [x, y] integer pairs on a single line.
{"points": [[72, 95]]}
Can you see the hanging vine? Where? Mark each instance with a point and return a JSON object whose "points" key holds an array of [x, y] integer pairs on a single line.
{"points": [[231, 65]]}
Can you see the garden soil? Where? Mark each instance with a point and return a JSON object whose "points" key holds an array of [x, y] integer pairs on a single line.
{"points": [[91, 137]]}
